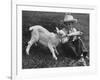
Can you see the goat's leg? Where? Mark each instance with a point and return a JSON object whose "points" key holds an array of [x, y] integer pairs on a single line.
{"points": [[29, 46], [56, 51], [34, 38], [52, 51]]}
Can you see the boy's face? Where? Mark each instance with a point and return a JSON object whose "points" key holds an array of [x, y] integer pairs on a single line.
{"points": [[70, 24]]}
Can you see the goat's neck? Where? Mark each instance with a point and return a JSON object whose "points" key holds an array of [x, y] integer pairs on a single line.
{"points": [[58, 37]]}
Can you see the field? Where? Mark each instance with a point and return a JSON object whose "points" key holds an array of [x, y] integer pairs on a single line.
{"points": [[40, 57]]}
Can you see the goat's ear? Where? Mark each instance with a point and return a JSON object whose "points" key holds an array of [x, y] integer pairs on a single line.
{"points": [[57, 29]]}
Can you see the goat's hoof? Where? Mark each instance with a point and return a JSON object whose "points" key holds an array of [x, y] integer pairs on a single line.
{"points": [[55, 58], [27, 53]]}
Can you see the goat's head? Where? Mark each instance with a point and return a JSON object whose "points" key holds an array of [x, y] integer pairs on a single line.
{"points": [[60, 32], [61, 35]]}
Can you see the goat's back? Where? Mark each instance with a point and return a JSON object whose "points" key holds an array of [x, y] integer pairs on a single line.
{"points": [[39, 29], [42, 35]]}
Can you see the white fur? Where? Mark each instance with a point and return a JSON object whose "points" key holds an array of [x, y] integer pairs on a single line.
{"points": [[46, 38]]}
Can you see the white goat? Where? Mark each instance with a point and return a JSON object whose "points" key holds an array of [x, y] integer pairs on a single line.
{"points": [[46, 38]]}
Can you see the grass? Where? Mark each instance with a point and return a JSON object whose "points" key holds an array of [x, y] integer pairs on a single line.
{"points": [[41, 57]]}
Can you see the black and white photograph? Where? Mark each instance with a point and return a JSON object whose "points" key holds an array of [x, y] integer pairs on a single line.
{"points": [[55, 39], [52, 40]]}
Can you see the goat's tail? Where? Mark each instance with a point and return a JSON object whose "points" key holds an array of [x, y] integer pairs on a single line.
{"points": [[31, 28]]}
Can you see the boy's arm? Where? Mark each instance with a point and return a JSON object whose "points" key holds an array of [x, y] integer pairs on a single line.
{"points": [[75, 33]]}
